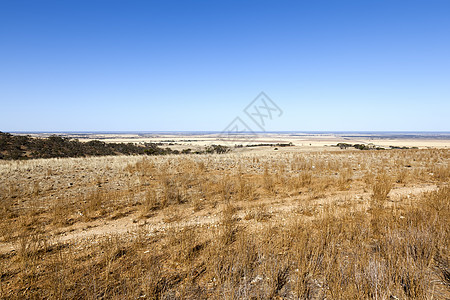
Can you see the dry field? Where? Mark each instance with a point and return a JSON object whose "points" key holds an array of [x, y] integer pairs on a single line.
{"points": [[302, 141], [342, 224]]}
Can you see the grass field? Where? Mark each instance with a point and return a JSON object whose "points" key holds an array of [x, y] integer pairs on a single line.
{"points": [[341, 224]]}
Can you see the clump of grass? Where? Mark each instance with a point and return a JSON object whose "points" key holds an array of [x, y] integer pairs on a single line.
{"points": [[62, 211], [246, 190], [380, 190], [305, 179], [13, 191], [184, 244], [345, 178], [150, 202], [228, 226], [171, 193], [6, 208], [93, 205], [268, 181], [226, 189], [441, 172], [31, 246], [402, 175], [35, 189], [259, 213], [277, 272]]}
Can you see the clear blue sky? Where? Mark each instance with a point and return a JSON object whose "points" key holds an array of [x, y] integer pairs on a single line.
{"points": [[109, 65]]}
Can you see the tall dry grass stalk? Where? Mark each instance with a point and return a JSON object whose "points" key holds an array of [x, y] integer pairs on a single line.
{"points": [[380, 190]]}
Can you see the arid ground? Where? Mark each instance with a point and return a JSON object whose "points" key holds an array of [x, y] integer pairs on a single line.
{"points": [[303, 141], [307, 221]]}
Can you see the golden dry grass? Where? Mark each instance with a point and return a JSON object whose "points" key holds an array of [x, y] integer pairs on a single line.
{"points": [[315, 225]]}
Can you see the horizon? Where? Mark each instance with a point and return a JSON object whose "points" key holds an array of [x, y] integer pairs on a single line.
{"points": [[291, 132], [218, 131], [184, 66]]}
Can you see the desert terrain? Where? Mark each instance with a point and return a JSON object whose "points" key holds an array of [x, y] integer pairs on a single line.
{"points": [[300, 140], [308, 221]]}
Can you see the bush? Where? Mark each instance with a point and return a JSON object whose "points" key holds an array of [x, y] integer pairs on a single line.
{"points": [[25, 147]]}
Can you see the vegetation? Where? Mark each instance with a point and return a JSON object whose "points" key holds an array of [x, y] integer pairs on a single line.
{"points": [[217, 149], [369, 147], [25, 147], [318, 225], [265, 144]]}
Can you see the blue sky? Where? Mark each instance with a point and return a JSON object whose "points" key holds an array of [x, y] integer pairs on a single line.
{"points": [[107, 65]]}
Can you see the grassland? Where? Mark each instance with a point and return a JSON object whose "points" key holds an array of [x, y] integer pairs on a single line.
{"points": [[341, 224]]}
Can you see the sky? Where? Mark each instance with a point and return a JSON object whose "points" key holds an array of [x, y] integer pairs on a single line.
{"points": [[192, 65]]}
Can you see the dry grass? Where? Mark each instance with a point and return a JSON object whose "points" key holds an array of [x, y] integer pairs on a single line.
{"points": [[317, 225]]}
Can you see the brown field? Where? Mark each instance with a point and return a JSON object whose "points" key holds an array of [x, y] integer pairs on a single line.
{"points": [[298, 223], [302, 141]]}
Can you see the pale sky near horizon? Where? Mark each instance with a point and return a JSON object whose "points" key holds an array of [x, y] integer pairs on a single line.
{"points": [[109, 65]]}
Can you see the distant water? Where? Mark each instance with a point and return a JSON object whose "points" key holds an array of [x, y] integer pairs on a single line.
{"points": [[353, 134]]}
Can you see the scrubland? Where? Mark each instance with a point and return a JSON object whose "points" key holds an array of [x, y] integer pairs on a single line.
{"points": [[343, 224]]}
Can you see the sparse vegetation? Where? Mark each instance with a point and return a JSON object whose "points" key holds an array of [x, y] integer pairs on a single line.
{"points": [[370, 147], [25, 147], [265, 145], [316, 225]]}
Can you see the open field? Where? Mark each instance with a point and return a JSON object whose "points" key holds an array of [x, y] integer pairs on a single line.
{"points": [[300, 222], [301, 140]]}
